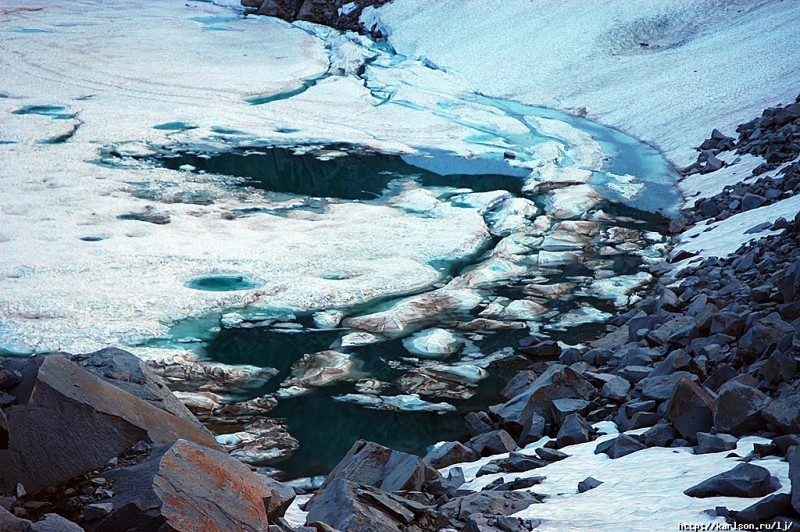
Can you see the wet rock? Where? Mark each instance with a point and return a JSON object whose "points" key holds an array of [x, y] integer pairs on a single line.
{"points": [[489, 502], [421, 383], [494, 442], [448, 454], [69, 420], [620, 446], [744, 480], [738, 408], [784, 413], [714, 443], [534, 348], [574, 430], [178, 486], [263, 442], [11, 523], [587, 484], [325, 368], [690, 409]]}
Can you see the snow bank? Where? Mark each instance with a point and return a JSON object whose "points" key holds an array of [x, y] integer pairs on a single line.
{"points": [[665, 71]]}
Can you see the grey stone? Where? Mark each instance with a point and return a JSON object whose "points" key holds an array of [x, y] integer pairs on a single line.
{"points": [[660, 435], [738, 408], [180, 486], [494, 442], [620, 446], [780, 367], [784, 413], [779, 504], [11, 523], [488, 502], [690, 409], [744, 480], [714, 443], [574, 430], [54, 523], [661, 387], [587, 484], [793, 457], [449, 453]]}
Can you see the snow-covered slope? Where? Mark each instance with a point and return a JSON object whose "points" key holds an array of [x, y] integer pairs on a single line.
{"points": [[666, 71]]}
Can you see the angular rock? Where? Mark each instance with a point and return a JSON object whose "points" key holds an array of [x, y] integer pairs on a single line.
{"points": [[489, 502], [587, 484], [744, 480], [11, 523], [551, 455], [449, 453], [54, 523], [738, 408], [660, 435], [69, 421], [764, 335], [565, 407], [714, 443], [661, 387], [620, 446], [339, 506], [574, 430], [779, 504], [793, 457], [784, 413], [780, 367], [179, 487], [556, 382], [370, 464], [532, 431], [3, 431], [494, 442], [690, 409]]}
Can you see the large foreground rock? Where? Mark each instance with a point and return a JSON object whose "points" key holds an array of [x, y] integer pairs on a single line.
{"points": [[744, 480], [188, 487], [67, 420], [691, 409]]}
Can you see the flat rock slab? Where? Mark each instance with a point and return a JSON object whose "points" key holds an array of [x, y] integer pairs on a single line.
{"points": [[744, 480]]}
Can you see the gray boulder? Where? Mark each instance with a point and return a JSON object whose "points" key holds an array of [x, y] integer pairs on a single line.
{"points": [[691, 409], [574, 430], [744, 480], [494, 442], [661, 387], [587, 484], [69, 421], [370, 464], [738, 408], [54, 523], [714, 443], [489, 503], [11, 523], [793, 457], [184, 486], [784, 413], [449, 453], [620, 446]]}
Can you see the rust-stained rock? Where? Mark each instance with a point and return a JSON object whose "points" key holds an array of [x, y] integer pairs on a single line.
{"points": [[69, 421], [187, 487]]}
